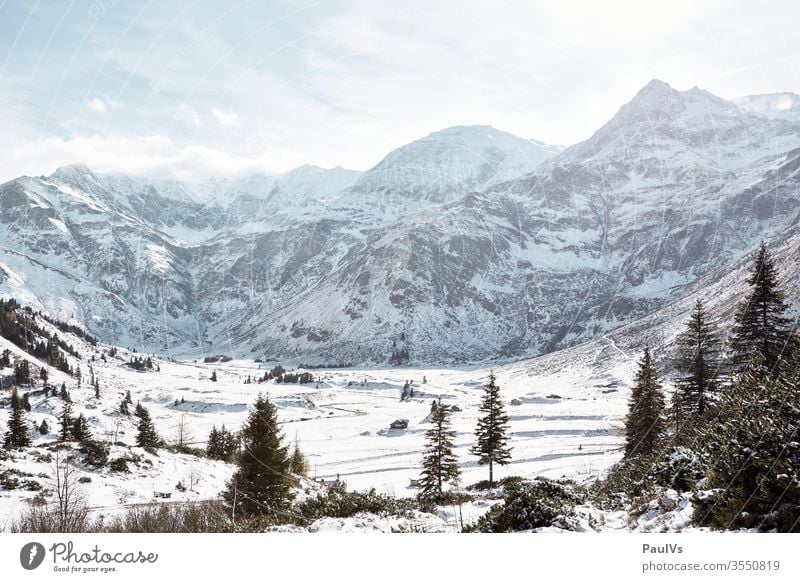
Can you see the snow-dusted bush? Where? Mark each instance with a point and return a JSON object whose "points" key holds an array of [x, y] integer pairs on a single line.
{"points": [[623, 482], [679, 469], [531, 505], [95, 453], [120, 465], [753, 452], [338, 502]]}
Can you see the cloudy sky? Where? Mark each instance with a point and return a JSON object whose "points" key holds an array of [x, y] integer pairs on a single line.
{"points": [[191, 87]]}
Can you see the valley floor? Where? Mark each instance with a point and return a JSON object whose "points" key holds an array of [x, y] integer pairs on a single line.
{"points": [[565, 416]]}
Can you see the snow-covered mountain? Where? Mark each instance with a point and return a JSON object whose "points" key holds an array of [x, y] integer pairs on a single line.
{"points": [[447, 164], [773, 105], [468, 244], [597, 236]]}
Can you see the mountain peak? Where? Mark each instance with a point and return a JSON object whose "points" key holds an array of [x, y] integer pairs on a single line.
{"points": [[661, 122], [656, 85], [446, 164], [72, 172], [656, 92]]}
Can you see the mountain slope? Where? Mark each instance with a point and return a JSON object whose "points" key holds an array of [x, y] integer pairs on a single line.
{"points": [[469, 244], [598, 236]]}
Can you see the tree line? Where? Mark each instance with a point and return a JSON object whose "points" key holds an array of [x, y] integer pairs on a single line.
{"points": [[735, 409]]}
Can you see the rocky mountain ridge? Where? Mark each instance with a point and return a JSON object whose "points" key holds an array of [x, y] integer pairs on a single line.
{"points": [[468, 245]]}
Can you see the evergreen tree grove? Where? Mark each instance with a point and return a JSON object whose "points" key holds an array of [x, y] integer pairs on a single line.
{"points": [[262, 485], [492, 431], [222, 444], [761, 327], [17, 434], [644, 425], [439, 464]]}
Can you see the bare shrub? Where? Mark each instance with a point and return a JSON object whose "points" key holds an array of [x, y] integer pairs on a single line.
{"points": [[64, 511]]}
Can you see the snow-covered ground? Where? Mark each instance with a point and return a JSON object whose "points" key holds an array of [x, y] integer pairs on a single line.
{"points": [[565, 412]]}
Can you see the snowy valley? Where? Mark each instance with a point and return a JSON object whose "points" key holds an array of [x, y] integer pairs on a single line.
{"points": [[466, 251], [565, 423]]}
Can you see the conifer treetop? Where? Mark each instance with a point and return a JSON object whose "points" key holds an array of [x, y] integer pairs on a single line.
{"points": [[492, 431]]}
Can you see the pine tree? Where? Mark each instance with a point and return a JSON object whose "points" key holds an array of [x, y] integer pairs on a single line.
{"points": [[147, 436], [299, 463], [213, 375], [679, 419], [760, 325], [65, 421], [644, 425], [214, 445], [262, 484], [64, 394], [80, 429], [128, 398], [17, 434], [697, 364], [123, 408], [492, 431], [22, 372], [230, 445], [439, 464], [139, 410], [44, 428]]}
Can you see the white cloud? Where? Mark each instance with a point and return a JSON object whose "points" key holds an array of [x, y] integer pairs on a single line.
{"points": [[98, 105], [784, 103], [345, 86], [152, 155], [188, 115], [225, 119]]}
